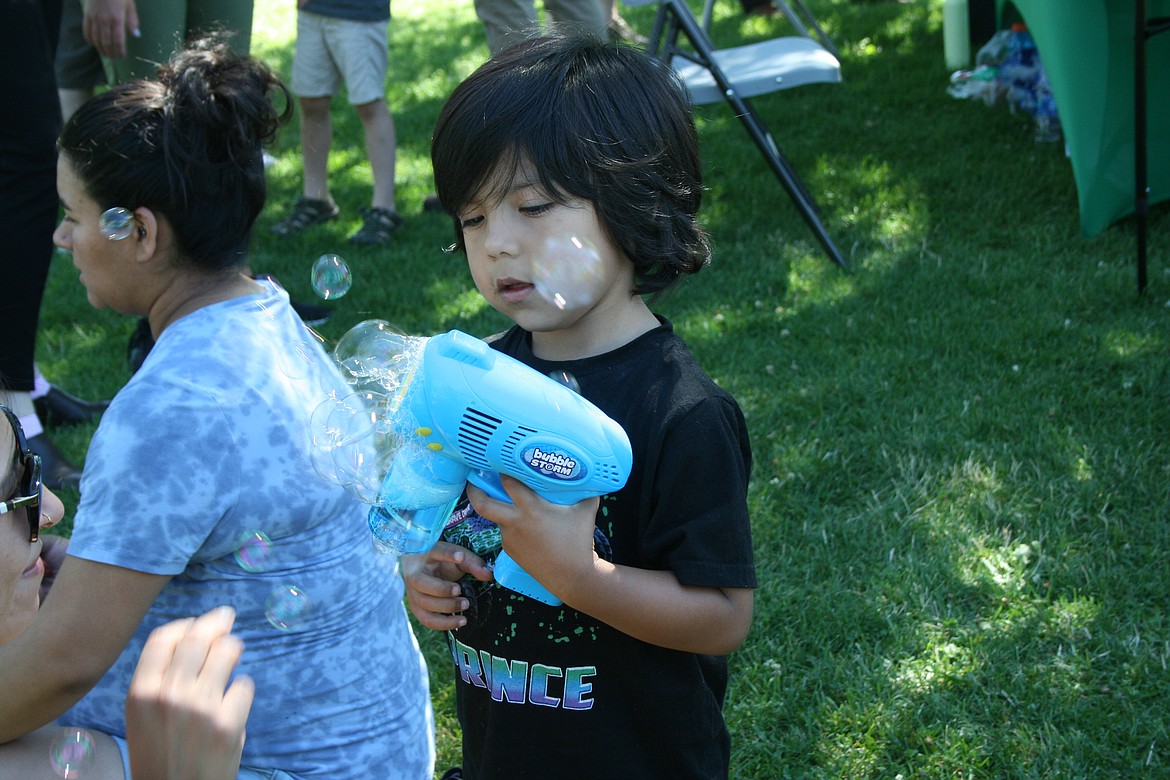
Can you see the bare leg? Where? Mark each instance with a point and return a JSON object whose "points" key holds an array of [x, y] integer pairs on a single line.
{"points": [[381, 150], [316, 138]]}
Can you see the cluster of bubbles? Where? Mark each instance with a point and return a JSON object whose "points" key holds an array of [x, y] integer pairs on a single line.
{"points": [[353, 436], [71, 753]]}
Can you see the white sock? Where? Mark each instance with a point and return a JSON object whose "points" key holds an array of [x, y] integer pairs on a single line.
{"points": [[41, 386]]}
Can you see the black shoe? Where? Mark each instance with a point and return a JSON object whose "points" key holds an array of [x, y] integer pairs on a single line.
{"points": [[57, 407], [454, 773], [140, 344], [310, 313], [56, 471]]}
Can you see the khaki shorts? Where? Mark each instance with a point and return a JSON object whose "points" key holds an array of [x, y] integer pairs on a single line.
{"points": [[333, 51]]}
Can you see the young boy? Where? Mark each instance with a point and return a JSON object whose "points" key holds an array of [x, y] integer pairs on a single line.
{"points": [[561, 139], [343, 41]]}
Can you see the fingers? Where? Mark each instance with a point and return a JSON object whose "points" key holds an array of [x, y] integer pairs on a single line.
{"points": [[106, 23], [432, 584], [107, 36], [237, 702], [435, 601], [437, 621], [187, 660], [448, 562], [155, 659], [132, 19], [206, 653]]}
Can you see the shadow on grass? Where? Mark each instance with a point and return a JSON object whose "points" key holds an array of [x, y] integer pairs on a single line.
{"points": [[960, 485]]}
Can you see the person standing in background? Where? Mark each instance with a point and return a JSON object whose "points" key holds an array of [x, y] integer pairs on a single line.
{"points": [[30, 120], [343, 42]]}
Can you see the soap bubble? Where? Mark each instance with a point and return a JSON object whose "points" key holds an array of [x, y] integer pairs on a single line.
{"points": [[566, 271], [300, 359], [331, 277], [71, 753], [339, 422], [375, 356], [287, 607], [566, 379], [253, 551], [116, 223]]}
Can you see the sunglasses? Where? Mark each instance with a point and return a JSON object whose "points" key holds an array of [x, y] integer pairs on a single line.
{"points": [[30, 483]]}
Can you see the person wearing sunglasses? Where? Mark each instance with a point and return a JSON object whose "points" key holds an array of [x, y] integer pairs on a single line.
{"points": [[184, 719]]}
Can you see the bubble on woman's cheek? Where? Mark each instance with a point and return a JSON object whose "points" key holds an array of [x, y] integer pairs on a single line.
{"points": [[287, 608], [71, 753], [254, 551], [117, 223], [331, 277], [566, 271]]}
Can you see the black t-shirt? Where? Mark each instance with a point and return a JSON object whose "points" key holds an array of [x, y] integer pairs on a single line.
{"points": [[546, 691]]}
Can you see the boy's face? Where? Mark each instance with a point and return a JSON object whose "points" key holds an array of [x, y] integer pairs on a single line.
{"points": [[549, 267]]}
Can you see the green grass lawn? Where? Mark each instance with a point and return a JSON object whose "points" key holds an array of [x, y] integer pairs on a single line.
{"points": [[961, 495]]}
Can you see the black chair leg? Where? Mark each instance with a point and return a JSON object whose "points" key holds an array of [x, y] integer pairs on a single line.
{"points": [[788, 177]]}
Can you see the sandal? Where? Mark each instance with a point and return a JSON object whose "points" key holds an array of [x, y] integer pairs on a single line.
{"points": [[378, 226], [306, 212]]}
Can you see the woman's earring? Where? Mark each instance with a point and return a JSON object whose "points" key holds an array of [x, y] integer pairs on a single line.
{"points": [[116, 223]]}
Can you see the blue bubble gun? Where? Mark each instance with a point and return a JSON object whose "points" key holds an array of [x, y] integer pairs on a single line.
{"points": [[465, 412]]}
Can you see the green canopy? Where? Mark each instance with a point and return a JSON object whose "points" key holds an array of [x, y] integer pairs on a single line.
{"points": [[1087, 47]]}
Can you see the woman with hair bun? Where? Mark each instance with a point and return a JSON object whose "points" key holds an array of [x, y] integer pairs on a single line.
{"points": [[198, 489]]}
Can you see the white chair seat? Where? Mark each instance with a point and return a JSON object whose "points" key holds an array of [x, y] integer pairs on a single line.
{"points": [[760, 68]]}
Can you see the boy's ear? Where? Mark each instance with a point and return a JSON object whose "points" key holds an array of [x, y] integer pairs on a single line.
{"points": [[146, 227]]}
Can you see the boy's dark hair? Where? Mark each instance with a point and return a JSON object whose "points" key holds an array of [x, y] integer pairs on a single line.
{"points": [[187, 144], [597, 121]]}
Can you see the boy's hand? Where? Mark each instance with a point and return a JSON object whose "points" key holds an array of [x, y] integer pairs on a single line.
{"points": [[432, 584], [553, 543]]}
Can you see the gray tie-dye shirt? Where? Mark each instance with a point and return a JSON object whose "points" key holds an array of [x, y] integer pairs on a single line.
{"points": [[200, 469]]}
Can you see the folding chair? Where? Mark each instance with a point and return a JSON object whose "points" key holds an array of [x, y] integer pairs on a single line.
{"points": [[798, 16], [736, 74]]}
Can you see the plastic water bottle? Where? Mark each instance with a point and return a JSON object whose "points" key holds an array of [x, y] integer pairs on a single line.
{"points": [[1020, 69], [993, 53], [956, 36], [980, 83], [1047, 121]]}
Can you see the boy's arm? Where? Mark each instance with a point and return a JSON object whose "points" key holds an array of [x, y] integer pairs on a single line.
{"points": [[432, 584], [554, 544]]}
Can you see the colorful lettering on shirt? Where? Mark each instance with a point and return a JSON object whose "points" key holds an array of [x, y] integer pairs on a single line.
{"points": [[521, 682]]}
